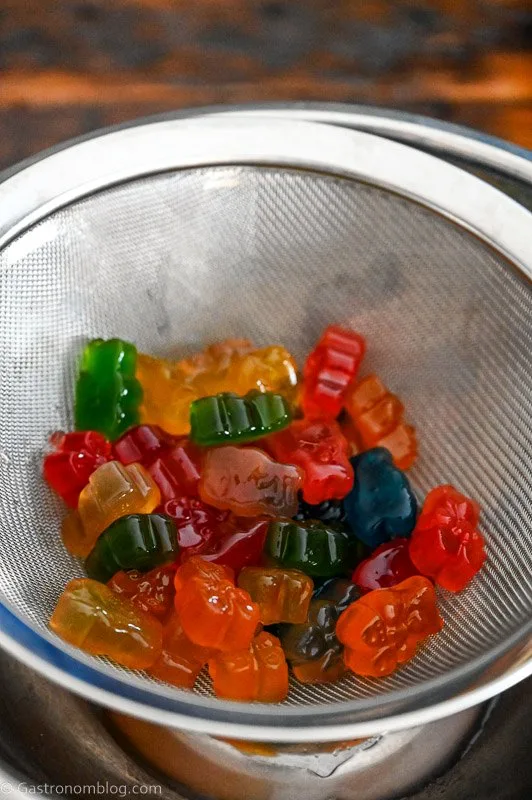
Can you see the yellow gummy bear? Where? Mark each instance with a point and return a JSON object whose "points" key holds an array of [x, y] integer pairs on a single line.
{"points": [[112, 491], [90, 616], [229, 366]]}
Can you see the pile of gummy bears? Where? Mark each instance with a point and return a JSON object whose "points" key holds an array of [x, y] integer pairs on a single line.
{"points": [[233, 515]]}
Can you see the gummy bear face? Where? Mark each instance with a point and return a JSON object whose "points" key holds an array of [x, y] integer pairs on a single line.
{"points": [[381, 504]]}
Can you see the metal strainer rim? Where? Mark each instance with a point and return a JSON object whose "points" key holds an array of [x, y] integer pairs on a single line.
{"points": [[60, 178]]}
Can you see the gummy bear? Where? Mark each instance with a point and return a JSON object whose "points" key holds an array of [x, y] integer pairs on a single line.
{"points": [[199, 526], [328, 668], [206, 372], [230, 366], [312, 648], [283, 595], [174, 464], [166, 396], [249, 483], [112, 491], [226, 417], [177, 471], [381, 504], [387, 566], [76, 456], [383, 628], [378, 417], [329, 370], [268, 369], [143, 444], [135, 541], [321, 450], [240, 543], [107, 393], [151, 591], [341, 591], [181, 661], [213, 612], [446, 544], [257, 673], [90, 616], [311, 547], [330, 512]]}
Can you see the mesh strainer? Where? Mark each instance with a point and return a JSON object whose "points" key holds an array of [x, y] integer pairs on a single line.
{"points": [[177, 233]]}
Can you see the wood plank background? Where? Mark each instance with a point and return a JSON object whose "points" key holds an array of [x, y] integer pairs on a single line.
{"points": [[70, 66]]}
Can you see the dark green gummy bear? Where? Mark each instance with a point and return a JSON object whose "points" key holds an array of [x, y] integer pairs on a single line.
{"points": [[136, 541], [225, 418], [340, 591], [311, 547], [317, 636], [108, 395], [381, 504]]}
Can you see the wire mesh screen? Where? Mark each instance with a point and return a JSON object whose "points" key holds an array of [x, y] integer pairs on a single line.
{"points": [[183, 259]]}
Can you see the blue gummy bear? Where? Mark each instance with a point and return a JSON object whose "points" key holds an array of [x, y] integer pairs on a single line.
{"points": [[381, 505]]}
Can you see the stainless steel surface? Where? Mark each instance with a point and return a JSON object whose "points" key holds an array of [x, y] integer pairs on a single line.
{"points": [[439, 137], [142, 260], [378, 768], [127, 754], [50, 737]]}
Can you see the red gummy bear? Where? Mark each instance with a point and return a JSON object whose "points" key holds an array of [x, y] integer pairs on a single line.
{"points": [[174, 464], [215, 535], [445, 543], [178, 471], [199, 525], [77, 455], [143, 444], [387, 566], [329, 370], [384, 628], [151, 591], [321, 450], [241, 544], [212, 610]]}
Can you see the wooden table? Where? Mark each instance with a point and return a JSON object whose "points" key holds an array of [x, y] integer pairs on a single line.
{"points": [[70, 66]]}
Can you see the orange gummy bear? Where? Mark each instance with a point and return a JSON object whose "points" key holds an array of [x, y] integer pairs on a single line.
{"points": [[283, 595], [213, 611], [181, 661], [377, 415], [90, 616], [249, 483], [112, 491], [384, 627], [257, 673], [271, 369], [166, 395]]}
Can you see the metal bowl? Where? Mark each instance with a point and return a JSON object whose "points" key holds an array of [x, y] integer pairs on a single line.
{"points": [[174, 233]]}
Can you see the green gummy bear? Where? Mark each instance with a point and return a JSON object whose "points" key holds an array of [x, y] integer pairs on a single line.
{"points": [[225, 418], [108, 395], [311, 547], [136, 541]]}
